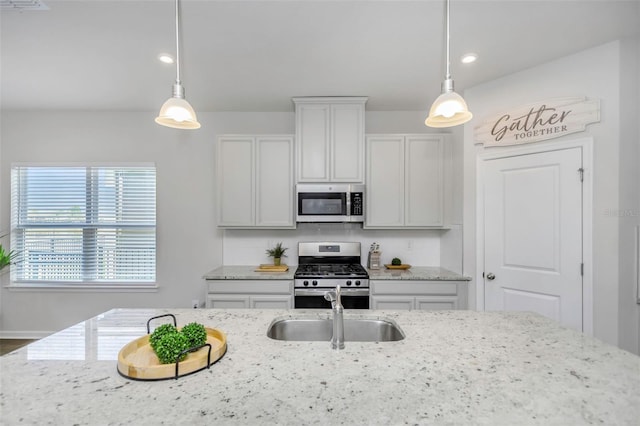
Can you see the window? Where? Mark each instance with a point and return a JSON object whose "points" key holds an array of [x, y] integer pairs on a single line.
{"points": [[86, 224]]}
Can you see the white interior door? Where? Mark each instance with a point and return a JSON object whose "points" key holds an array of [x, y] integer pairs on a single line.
{"points": [[533, 234]]}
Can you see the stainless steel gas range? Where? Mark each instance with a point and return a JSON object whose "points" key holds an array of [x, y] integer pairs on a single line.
{"points": [[324, 265]]}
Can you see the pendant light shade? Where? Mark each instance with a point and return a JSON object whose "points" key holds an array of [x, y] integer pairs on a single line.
{"points": [[449, 109], [176, 112]]}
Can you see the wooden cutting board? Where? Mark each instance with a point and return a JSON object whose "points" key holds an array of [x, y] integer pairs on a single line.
{"points": [[272, 268], [403, 266], [137, 360]]}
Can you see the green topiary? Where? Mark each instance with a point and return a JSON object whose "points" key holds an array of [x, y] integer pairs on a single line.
{"points": [[167, 342], [277, 251], [396, 261], [196, 334], [168, 348], [159, 333]]}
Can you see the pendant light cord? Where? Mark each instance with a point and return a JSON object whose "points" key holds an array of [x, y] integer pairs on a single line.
{"points": [[177, 44], [448, 73]]}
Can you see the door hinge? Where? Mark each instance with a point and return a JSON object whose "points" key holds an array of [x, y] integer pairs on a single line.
{"points": [[582, 269], [581, 171]]}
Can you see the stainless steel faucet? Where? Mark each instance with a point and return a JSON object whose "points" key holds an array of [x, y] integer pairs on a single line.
{"points": [[337, 340]]}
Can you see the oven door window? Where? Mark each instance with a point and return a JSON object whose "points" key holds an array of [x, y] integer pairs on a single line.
{"points": [[322, 204]]}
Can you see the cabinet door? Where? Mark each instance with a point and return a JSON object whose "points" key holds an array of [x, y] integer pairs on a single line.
{"points": [[385, 181], [236, 191], [397, 303], [423, 181], [271, 302], [436, 303], [312, 134], [274, 183], [347, 142], [228, 301]]}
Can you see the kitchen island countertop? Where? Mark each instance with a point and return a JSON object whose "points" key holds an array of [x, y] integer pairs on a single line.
{"points": [[453, 367]]}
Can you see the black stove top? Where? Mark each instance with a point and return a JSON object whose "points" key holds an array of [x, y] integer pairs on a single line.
{"points": [[331, 270]]}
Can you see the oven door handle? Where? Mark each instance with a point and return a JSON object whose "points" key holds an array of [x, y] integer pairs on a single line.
{"points": [[322, 291]]}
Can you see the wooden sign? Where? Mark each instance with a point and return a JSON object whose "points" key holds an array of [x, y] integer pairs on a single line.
{"points": [[537, 122]]}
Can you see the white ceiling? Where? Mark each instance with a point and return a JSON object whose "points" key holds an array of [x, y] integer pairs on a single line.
{"points": [[255, 55]]}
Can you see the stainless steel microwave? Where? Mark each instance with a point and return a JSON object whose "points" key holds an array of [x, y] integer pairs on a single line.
{"points": [[340, 202]]}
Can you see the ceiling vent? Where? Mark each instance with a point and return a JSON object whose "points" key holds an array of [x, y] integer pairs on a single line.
{"points": [[22, 5]]}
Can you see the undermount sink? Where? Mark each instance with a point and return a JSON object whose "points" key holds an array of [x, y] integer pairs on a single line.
{"points": [[316, 329]]}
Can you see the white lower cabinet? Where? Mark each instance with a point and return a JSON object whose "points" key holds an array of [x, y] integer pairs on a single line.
{"points": [[250, 294], [418, 295]]}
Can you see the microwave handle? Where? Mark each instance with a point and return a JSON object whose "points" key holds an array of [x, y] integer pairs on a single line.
{"points": [[348, 206]]}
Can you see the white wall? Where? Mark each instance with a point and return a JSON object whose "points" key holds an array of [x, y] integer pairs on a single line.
{"points": [[189, 243], [629, 211], [594, 73]]}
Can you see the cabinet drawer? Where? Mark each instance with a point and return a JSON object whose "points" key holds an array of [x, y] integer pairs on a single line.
{"points": [[394, 303], [250, 286], [228, 302], [436, 303], [269, 301], [414, 287]]}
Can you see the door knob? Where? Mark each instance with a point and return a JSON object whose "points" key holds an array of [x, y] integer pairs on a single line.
{"points": [[490, 276]]}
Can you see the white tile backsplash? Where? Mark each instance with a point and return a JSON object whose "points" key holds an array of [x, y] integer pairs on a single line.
{"points": [[415, 247]]}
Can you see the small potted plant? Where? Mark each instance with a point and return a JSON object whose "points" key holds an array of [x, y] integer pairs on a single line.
{"points": [[277, 253], [6, 259]]}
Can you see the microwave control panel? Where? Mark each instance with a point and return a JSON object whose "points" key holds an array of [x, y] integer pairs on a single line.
{"points": [[356, 204]]}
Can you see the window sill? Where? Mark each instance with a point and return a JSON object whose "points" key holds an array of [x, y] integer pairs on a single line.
{"points": [[63, 287]]}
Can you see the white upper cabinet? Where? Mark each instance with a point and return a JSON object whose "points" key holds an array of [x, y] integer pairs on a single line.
{"points": [[384, 198], [405, 181], [236, 181], [255, 181], [330, 139], [424, 181]]}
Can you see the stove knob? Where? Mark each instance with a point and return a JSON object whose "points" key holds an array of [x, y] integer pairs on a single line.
{"points": [[315, 282], [305, 283], [348, 282], [357, 282]]}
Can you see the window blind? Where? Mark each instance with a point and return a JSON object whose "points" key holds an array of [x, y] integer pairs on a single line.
{"points": [[84, 224]]}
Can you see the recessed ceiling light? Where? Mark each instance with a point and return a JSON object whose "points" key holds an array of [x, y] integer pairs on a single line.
{"points": [[165, 58], [469, 58]]}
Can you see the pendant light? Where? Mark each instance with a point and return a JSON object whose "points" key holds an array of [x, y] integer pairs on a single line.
{"points": [[177, 112], [449, 109]]}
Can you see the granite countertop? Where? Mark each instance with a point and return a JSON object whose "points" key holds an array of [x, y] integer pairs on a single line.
{"points": [[427, 273], [453, 367], [247, 272]]}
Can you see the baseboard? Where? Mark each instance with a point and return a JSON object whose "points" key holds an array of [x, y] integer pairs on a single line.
{"points": [[31, 335]]}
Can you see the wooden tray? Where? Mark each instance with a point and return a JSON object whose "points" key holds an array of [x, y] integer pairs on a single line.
{"points": [[272, 268], [403, 266], [138, 361]]}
